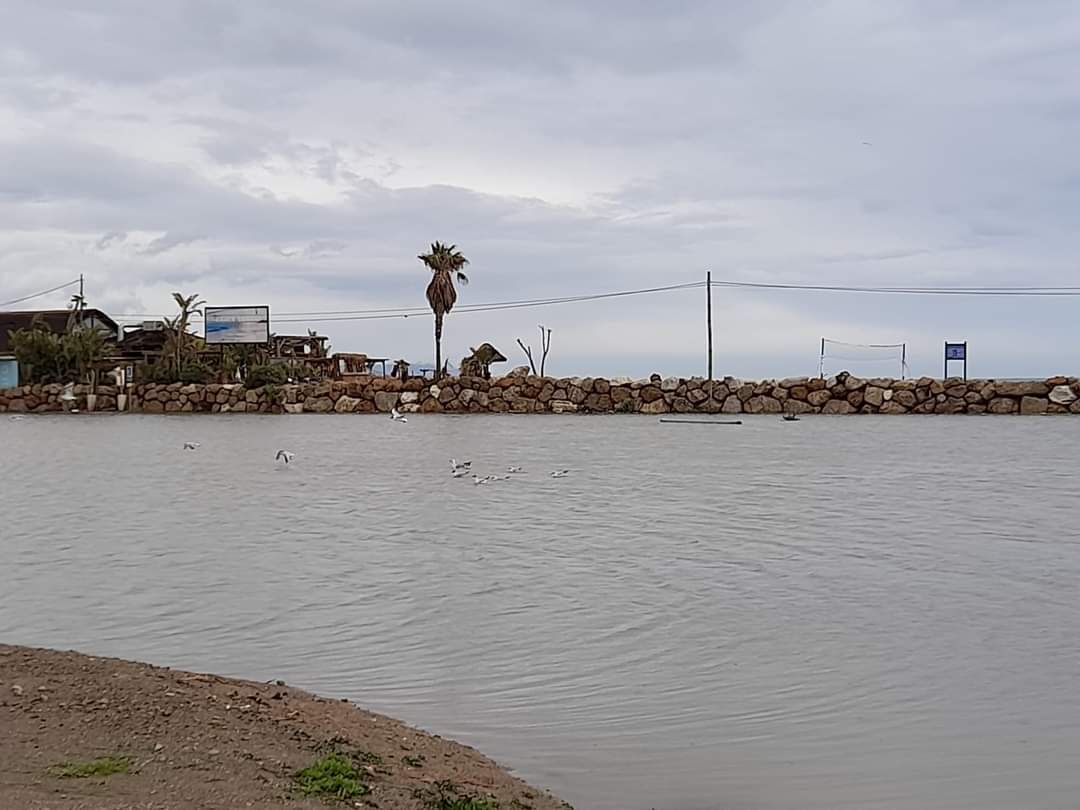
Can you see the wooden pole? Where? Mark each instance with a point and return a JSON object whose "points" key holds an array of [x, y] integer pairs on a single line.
{"points": [[708, 298]]}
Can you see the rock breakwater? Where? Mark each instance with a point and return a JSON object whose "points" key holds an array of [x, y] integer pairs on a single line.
{"points": [[523, 393]]}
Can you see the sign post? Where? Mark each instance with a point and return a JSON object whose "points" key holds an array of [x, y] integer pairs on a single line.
{"points": [[955, 351], [237, 325]]}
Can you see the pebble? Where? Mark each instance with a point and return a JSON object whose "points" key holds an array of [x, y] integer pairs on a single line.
{"points": [[18, 690]]}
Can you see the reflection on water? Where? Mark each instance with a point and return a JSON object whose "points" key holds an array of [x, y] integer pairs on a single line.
{"points": [[835, 613]]}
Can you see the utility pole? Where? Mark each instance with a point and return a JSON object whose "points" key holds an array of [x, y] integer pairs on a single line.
{"points": [[708, 309]]}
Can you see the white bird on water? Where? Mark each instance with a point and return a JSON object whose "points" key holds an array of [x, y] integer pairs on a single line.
{"points": [[192, 445], [459, 472], [560, 473], [515, 470], [397, 416], [487, 479], [285, 456], [15, 418], [464, 465]]}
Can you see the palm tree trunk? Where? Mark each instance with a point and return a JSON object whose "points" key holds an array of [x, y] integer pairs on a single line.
{"points": [[438, 346]]}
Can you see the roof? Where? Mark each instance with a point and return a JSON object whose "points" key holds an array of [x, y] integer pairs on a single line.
{"points": [[55, 320]]}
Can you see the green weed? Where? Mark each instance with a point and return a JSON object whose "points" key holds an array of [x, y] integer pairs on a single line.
{"points": [[333, 777], [102, 766]]}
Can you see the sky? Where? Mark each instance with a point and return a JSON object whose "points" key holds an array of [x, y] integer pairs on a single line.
{"points": [[300, 155]]}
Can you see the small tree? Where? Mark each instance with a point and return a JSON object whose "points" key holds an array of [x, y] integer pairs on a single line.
{"points": [[189, 305], [545, 345]]}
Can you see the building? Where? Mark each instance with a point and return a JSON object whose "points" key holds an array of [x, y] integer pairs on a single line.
{"points": [[55, 320]]}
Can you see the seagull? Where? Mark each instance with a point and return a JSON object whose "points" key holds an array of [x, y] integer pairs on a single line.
{"points": [[515, 470], [192, 445], [397, 416], [465, 465], [284, 455], [560, 473], [459, 472], [476, 479], [15, 418]]}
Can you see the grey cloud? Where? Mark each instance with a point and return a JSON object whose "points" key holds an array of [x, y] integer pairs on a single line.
{"points": [[167, 242], [109, 239], [688, 136]]}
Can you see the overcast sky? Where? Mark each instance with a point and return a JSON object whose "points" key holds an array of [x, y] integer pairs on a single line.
{"points": [[301, 154]]}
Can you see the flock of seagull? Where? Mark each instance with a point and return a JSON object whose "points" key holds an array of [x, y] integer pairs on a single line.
{"points": [[463, 469]]}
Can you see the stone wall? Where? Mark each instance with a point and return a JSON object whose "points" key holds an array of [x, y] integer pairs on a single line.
{"points": [[521, 393]]}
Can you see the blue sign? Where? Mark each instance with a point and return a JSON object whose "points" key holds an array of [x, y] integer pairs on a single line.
{"points": [[956, 351], [9, 373]]}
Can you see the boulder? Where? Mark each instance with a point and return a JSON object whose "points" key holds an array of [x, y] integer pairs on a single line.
{"points": [[853, 383], [1002, 405], [1033, 405], [600, 403], [650, 394], [1062, 395], [732, 405], [386, 401], [317, 405], [818, 398], [681, 405], [793, 382], [696, 396], [620, 394], [347, 404], [563, 406], [745, 392], [797, 406], [856, 399], [431, 405], [601, 386], [763, 404], [837, 406], [1030, 388], [905, 397], [669, 384], [655, 407], [893, 407], [410, 398], [294, 407]]}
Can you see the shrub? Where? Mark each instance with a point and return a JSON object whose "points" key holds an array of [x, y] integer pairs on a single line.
{"points": [[196, 373], [259, 376]]}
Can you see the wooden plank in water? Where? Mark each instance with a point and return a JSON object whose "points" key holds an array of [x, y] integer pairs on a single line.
{"points": [[700, 422]]}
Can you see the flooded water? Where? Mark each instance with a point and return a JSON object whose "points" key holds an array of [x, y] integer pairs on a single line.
{"points": [[834, 613]]}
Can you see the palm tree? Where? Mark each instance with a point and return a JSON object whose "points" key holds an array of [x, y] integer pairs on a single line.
{"points": [[446, 263], [189, 305]]}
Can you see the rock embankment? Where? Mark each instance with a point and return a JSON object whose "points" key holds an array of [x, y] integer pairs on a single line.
{"points": [[523, 393]]}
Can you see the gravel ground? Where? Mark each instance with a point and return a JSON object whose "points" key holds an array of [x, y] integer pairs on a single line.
{"points": [[200, 741]]}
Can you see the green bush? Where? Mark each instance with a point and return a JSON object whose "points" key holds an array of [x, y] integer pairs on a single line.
{"points": [[259, 376], [158, 373], [196, 373]]}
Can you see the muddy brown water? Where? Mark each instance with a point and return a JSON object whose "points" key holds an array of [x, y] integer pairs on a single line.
{"points": [[834, 613]]}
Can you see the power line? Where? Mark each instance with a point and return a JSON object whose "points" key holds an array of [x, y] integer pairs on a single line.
{"points": [[39, 294], [385, 313], [405, 312], [1001, 291]]}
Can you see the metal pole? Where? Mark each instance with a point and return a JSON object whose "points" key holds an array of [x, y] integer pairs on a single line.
{"points": [[946, 376], [708, 298], [821, 361], [965, 361], [903, 361]]}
